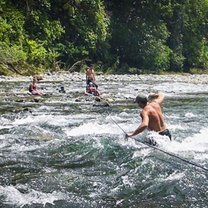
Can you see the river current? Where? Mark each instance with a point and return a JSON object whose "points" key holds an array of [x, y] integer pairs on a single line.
{"points": [[67, 150]]}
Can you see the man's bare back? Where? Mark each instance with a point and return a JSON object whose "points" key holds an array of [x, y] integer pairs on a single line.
{"points": [[151, 115], [90, 76], [90, 73], [154, 112]]}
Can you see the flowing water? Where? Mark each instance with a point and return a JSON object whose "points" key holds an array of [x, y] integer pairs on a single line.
{"points": [[68, 150]]}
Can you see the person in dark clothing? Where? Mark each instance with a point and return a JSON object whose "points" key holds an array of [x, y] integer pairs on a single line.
{"points": [[90, 76]]}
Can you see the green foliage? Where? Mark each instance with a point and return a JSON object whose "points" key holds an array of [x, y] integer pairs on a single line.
{"points": [[195, 35], [11, 27], [198, 71], [120, 36], [177, 62], [39, 56], [134, 70], [156, 55], [36, 52], [13, 54], [203, 61], [86, 29], [45, 29], [160, 35], [140, 39], [4, 70]]}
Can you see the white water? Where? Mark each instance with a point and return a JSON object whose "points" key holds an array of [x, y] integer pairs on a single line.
{"points": [[54, 129]]}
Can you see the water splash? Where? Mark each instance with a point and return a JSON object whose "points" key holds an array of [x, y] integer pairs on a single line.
{"points": [[12, 196]]}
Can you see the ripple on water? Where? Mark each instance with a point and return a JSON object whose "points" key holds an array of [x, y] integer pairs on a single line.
{"points": [[63, 151]]}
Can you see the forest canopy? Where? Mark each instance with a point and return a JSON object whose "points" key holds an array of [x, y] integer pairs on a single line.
{"points": [[127, 36]]}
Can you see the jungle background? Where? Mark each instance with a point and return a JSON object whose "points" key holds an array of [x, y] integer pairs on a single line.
{"points": [[118, 36]]}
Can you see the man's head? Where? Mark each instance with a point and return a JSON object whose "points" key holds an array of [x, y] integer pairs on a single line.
{"points": [[34, 79], [141, 99]]}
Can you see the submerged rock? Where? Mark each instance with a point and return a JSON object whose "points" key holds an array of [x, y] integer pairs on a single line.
{"points": [[102, 104]]}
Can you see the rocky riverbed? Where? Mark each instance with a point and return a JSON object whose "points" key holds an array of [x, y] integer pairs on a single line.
{"points": [[67, 149]]}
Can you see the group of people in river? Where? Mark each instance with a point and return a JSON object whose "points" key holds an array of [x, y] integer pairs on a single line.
{"points": [[91, 86], [151, 113]]}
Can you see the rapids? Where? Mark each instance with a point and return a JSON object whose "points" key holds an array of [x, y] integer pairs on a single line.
{"points": [[65, 150]]}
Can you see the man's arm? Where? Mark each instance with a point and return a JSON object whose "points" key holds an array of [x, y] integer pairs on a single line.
{"points": [[93, 74], [142, 126], [156, 97], [86, 74]]}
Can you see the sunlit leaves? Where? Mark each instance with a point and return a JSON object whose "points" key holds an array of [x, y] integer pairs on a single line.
{"points": [[158, 35], [36, 52], [11, 54]]}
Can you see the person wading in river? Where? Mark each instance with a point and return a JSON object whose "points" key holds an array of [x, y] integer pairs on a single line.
{"points": [[151, 115], [90, 76], [33, 87]]}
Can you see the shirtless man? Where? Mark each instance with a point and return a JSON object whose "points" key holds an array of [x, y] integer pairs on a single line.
{"points": [[90, 76], [151, 115]]}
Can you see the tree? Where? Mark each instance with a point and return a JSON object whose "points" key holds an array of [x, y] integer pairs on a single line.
{"points": [[139, 35]]}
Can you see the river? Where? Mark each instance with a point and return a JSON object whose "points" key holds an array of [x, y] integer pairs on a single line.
{"points": [[67, 150]]}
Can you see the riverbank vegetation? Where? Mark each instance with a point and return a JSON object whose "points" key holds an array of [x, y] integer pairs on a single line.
{"points": [[118, 36]]}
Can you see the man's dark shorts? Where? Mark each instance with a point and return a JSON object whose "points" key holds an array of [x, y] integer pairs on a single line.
{"points": [[166, 132], [90, 80], [152, 141]]}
